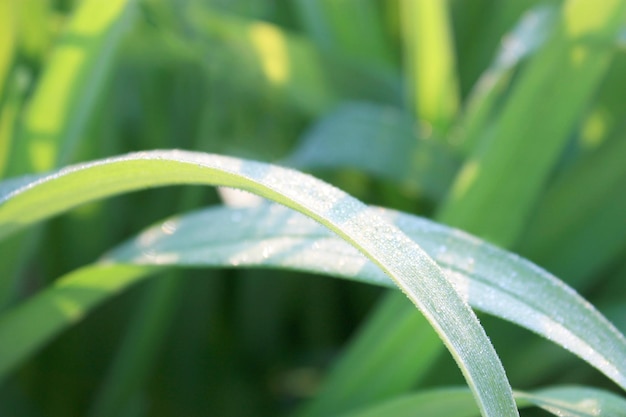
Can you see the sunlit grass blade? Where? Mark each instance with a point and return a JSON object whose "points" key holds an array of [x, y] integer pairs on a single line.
{"points": [[562, 401], [66, 93], [430, 62], [530, 131], [416, 273], [381, 141], [7, 43]]}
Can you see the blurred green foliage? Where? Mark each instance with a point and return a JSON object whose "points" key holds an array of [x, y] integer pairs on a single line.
{"points": [[504, 118]]}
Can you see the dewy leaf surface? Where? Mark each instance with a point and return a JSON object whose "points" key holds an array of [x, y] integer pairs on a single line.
{"points": [[490, 279], [415, 273]]}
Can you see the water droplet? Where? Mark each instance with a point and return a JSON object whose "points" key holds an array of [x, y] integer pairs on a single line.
{"points": [[169, 227]]}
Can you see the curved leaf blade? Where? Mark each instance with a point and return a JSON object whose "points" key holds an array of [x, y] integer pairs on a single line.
{"points": [[420, 278], [490, 279]]}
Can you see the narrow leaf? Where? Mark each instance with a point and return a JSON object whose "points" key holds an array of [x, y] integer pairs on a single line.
{"points": [[490, 279], [381, 141], [534, 124], [430, 61], [7, 43], [67, 91], [525, 38]]}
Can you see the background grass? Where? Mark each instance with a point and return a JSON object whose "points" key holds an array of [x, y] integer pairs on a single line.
{"points": [[504, 118]]}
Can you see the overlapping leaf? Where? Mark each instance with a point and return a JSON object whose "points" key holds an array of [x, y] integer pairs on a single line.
{"points": [[491, 279]]}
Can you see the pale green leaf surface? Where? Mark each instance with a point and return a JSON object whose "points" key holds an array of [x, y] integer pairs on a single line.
{"points": [[420, 278], [489, 278], [562, 401], [380, 140]]}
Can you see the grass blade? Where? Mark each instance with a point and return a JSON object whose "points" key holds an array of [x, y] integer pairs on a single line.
{"points": [[420, 279], [525, 38], [431, 62], [532, 132], [69, 301], [569, 227], [364, 374], [274, 236], [485, 275], [7, 43]]}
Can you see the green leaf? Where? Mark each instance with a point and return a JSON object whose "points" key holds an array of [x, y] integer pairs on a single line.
{"points": [[535, 122], [286, 62], [7, 43], [431, 62], [416, 274], [381, 141], [363, 374], [517, 45], [576, 234], [490, 279], [445, 402], [70, 85]]}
